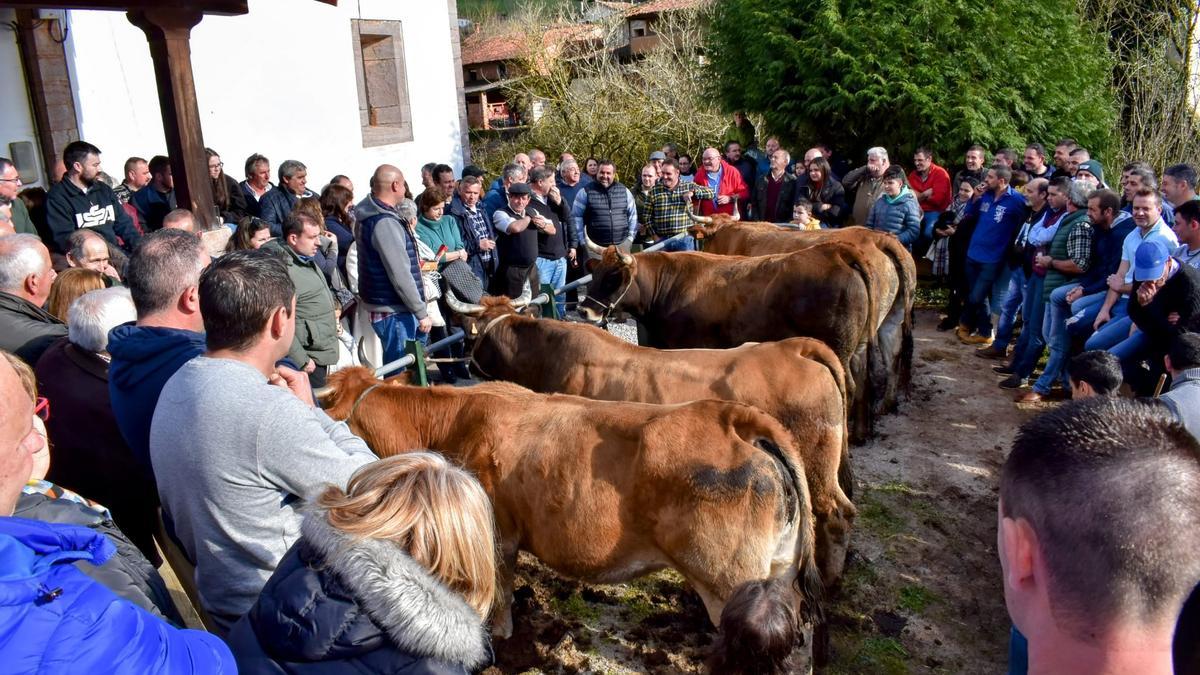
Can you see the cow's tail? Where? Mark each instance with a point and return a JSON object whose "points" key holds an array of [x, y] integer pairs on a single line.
{"points": [[865, 389], [830, 361], [764, 619], [906, 271], [808, 576]]}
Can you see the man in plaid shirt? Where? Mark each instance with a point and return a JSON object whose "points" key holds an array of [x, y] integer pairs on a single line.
{"points": [[668, 204]]}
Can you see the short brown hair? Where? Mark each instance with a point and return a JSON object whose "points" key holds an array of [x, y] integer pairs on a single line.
{"points": [[1111, 488], [430, 198]]}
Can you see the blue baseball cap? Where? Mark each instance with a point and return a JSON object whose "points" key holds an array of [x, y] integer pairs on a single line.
{"points": [[1149, 261]]}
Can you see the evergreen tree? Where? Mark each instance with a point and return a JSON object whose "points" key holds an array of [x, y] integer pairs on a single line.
{"points": [[899, 73]]}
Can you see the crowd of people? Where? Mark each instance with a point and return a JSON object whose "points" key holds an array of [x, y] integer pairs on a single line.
{"points": [[181, 376]]}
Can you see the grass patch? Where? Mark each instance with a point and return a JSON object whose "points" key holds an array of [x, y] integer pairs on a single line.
{"points": [[875, 655], [916, 598], [879, 518], [575, 607], [930, 297], [896, 487]]}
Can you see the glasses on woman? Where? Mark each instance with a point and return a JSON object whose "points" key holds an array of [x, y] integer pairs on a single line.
{"points": [[41, 408]]}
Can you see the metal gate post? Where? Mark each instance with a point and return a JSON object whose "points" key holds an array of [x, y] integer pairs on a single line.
{"points": [[417, 350]]}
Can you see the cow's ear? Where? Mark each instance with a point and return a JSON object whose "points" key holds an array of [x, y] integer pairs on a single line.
{"points": [[591, 264]]}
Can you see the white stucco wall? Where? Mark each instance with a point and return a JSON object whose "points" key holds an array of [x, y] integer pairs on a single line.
{"points": [[279, 81], [16, 120]]}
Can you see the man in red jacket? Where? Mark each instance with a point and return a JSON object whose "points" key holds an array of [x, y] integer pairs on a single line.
{"points": [[725, 180], [931, 184]]}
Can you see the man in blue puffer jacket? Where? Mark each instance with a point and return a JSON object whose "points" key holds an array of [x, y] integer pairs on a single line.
{"points": [[54, 618]]}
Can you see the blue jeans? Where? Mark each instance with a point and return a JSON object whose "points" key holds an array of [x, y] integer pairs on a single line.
{"points": [[1083, 314], [393, 330], [1115, 331], [1008, 313], [983, 280], [1032, 341], [554, 272], [928, 220], [688, 243], [1054, 328], [1130, 351]]}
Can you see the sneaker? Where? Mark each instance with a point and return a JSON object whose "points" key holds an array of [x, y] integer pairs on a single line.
{"points": [[976, 339], [1004, 369], [1013, 381], [990, 352], [962, 332]]}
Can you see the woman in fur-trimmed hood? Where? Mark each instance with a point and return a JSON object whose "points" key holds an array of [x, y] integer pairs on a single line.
{"points": [[394, 575]]}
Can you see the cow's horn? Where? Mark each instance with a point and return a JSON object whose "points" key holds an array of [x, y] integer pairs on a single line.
{"points": [[526, 296], [592, 246], [626, 259], [737, 215], [703, 220], [322, 392], [461, 307]]}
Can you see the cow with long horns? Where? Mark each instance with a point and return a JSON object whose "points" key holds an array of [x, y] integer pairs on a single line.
{"points": [[605, 491], [799, 381]]}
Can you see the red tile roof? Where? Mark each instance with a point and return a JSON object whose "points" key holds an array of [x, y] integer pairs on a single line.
{"points": [[660, 6], [477, 48]]}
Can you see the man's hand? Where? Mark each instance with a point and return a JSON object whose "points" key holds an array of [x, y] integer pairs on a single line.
{"points": [[425, 325], [111, 271], [554, 195], [1101, 319], [723, 199], [1146, 293], [927, 193], [1074, 294], [1173, 318], [486, 244], [1115, 282], [571, 255], [310, 366], [1042, 260], [295, 382], [824, 207]]}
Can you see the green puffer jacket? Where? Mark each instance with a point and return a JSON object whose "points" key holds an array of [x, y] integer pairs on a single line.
{"points": [[316, 327]]}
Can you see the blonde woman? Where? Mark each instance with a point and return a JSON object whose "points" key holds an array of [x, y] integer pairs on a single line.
{"points": [[395, 574]]}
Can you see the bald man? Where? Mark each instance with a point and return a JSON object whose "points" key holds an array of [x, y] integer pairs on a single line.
{"points": [[389, 272], [90, 251]]}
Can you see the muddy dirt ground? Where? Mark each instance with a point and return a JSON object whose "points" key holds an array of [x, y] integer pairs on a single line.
{"points": [[921, 592]]}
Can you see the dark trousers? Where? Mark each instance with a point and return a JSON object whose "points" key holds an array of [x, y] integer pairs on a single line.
{"points": [[317, 377], [980, 278], [510, 280]]}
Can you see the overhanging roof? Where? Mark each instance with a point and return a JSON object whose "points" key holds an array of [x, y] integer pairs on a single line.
{"points": [[228, 7]]}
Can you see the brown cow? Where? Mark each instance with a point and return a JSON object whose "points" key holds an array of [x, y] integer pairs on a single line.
{"points": [[686, 300], [893, 275], [604, 491], [799, 381]]}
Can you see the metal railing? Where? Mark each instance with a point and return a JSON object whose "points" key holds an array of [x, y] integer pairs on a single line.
{"points": [[415, 351]]}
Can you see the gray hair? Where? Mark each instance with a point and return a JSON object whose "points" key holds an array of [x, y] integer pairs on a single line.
{"points": [[20, 256], [877, 152], [1079, 194], [787, 157], [407, 210], [566, 163], [513, 173], [5, 163], [95, 313], [165, 264], [290, 167]]}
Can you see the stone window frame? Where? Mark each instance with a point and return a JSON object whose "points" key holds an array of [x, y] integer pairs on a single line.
{"points": [[386, 134]]}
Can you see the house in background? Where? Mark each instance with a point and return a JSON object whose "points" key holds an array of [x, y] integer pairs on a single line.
{"points": [[490, 61], [342, 87]]}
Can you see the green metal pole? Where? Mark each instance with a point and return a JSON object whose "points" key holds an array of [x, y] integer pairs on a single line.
{"points": [[419, 368]]}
